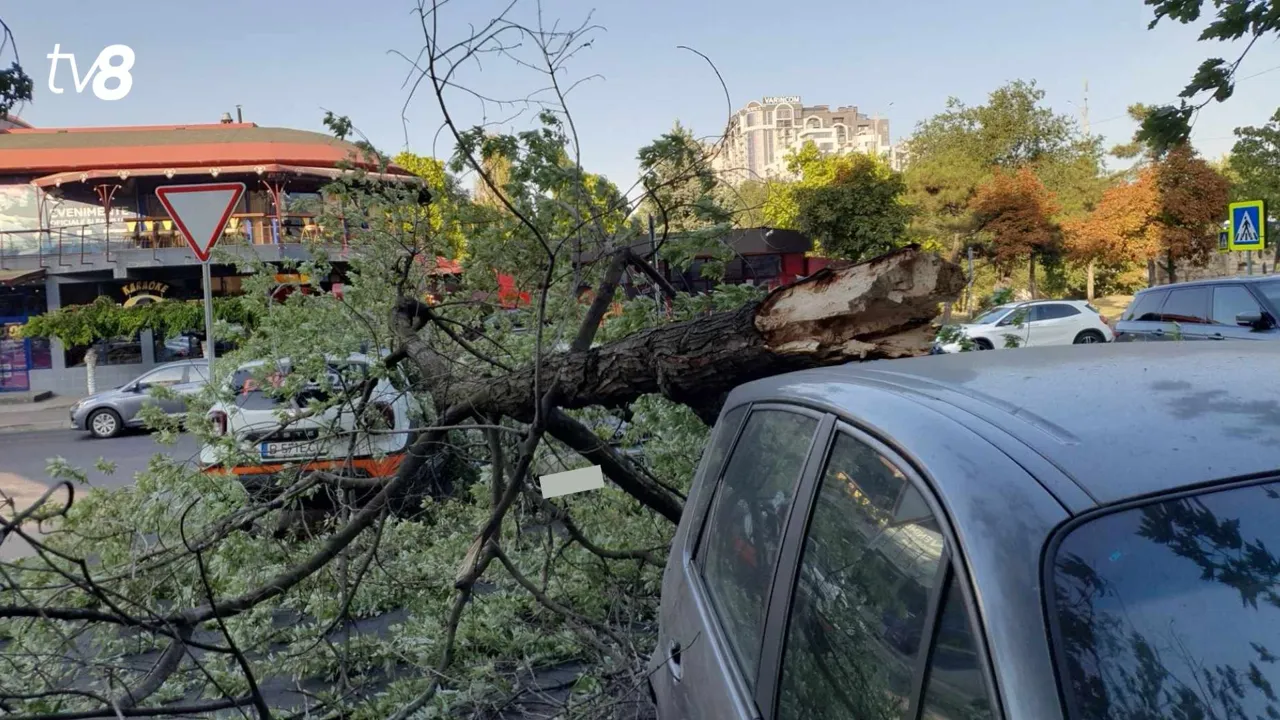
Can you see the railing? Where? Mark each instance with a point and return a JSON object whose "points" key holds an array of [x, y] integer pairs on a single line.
{"points": [[52, 245]]}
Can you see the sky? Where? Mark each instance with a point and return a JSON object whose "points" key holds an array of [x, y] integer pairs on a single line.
{"points": [[287, 62]]}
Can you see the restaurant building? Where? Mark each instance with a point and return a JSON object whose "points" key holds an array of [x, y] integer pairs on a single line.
{"points": [[79, 219]]}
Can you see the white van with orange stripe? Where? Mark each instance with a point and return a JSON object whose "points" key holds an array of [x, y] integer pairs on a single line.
{"points": [[274, 427]]}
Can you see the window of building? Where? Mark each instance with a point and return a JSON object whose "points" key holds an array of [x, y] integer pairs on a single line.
{"points": [[813, 122], [120, 351], [740, 543], [784, 113], [753, 119], [869, 564], [826, 147]]}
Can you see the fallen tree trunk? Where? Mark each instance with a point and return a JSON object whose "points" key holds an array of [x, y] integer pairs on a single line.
{"points": [[875, 309]]}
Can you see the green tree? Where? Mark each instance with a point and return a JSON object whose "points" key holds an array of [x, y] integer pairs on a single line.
{"points": [[1169, 126], [680, 187], [958, 151], [1255, 163], [450, 209], [851, 205], [15, 84]]}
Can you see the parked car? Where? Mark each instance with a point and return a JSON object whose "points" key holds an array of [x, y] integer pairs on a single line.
{"points": [[275, 430], [1242, 308], [1032, 324], [1043, 534], [106, 414]]}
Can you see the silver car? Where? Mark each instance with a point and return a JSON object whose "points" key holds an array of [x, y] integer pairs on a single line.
{"points": [[1056, 533], [106, 414]]}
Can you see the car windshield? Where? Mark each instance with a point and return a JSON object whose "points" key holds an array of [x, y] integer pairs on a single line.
{"points": [[992, 316], [1271, 289], [1172, 607]]}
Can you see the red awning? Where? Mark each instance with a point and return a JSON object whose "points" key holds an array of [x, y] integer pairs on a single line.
{"points": [[74, 176]]}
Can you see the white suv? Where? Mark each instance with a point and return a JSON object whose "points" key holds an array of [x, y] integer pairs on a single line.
{"points": [[273, 425], [1036, 323]]}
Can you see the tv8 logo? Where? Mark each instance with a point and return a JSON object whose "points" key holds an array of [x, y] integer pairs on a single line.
{"points": [[102, 70]]}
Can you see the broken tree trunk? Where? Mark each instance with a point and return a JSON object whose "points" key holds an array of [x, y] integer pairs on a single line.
{"points": [[881, 308]]}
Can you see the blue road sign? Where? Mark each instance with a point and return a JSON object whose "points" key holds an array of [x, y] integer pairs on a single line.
{"points": [[1223, 241], [1248, 228]]}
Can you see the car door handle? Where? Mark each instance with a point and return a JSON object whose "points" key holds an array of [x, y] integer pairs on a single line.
{"points": [[673, 661]]}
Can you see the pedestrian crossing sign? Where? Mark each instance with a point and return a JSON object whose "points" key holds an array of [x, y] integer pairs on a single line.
{"points": [[1248, 227]]}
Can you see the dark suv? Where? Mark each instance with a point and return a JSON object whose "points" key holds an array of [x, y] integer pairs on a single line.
{"points": [[1226, 309]]}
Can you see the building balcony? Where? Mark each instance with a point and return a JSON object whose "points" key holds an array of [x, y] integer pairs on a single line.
{"points": [[156, 241]]}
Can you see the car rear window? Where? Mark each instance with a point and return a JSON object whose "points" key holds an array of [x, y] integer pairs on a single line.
{"points": [[1172, 609], [260, 387]]}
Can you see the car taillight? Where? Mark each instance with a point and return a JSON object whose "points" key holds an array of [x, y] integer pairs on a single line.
{"points": [[219, 420], [1105, 319]]}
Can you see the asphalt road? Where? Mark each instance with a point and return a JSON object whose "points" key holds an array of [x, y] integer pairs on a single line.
{"points": [[25, 455]]}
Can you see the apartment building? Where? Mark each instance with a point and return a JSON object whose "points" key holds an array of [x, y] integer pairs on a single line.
{"points": [[763, 133]]}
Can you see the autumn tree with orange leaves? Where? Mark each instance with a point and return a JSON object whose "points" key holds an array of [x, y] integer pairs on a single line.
{"points": [[1170, 214], [1016, 211], [1119, 231]]}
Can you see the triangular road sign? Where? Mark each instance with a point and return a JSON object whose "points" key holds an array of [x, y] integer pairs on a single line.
{"points": [[201, 212], [1246, 234]]}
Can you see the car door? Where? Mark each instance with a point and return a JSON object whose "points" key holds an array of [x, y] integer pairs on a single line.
{"points": [[1228, 302], [870, 618], [196, 378], [169, 377], [1013, 328], [717, 594], [1052, 324], [1142, 318], [1185, 314]]}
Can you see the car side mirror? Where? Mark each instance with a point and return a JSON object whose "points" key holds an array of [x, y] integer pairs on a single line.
{"points": [[1252, 318]]}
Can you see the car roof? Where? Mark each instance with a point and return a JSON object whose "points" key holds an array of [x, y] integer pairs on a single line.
{"points": [[1120, 420], [1213, 281]]}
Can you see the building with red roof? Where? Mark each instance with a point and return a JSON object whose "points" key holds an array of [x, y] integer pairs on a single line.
{"points": [[79, 219]]}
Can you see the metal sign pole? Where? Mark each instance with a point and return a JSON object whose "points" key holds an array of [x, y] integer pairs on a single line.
{"points": [[1248, 254], [208, 313]]}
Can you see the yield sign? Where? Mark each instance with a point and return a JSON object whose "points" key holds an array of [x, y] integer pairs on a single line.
{"points": [[201, 212]]}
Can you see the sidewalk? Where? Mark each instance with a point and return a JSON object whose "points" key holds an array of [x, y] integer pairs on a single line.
{"points": [[51, 414]]}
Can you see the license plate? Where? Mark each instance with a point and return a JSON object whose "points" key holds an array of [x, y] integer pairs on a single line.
{"points": [[290, 449]]}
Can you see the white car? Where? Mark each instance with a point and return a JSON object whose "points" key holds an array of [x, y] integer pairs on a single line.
{"points": [[1035, 323], [272, 431]]}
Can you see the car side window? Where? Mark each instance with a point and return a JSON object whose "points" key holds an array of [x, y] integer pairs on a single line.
{"points": [[163, 377], [955, 687], [860, 607], [1146, 307], [722, 438], [1231, 300], [1186, 305], [744, 532], [1052, 311]]}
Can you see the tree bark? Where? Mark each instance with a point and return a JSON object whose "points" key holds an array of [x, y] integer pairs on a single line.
{"points": [[1088, 282], [874, 309], [1031, 275]]}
